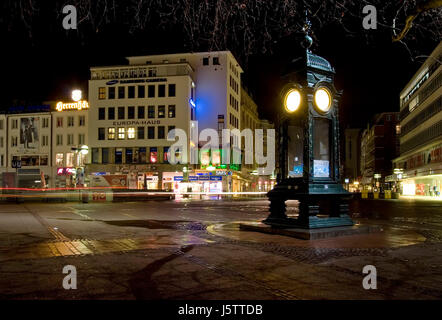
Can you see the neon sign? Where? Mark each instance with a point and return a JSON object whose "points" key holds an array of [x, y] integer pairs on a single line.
{"points": [[79, 105]]}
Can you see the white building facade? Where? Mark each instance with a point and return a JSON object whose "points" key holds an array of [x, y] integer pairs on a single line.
{"points": [[419, 166], [135, 106]]}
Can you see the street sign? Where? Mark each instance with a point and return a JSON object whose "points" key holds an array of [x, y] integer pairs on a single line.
{"points": [[16, 164]]}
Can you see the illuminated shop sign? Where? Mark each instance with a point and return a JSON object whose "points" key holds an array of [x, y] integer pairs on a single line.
{"points": [[79, 105], [65, 171], [129, 123]]}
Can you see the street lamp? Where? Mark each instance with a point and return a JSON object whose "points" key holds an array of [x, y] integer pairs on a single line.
{"points": [[308, 150], [76, 95]]}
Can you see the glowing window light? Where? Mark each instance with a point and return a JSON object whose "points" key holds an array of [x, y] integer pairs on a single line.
{"points": [[131, 133], [292, 100], [323, 99]]}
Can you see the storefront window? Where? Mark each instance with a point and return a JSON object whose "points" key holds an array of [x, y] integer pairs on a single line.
{"points": [[142, 155], [59, 159], [105, 155], [94, 155], [129, 158], [153, 155], [118, 156], [165, 154], [69, 159]]}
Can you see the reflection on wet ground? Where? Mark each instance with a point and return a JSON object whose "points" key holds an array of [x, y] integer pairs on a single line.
{"points": [[85, 246], [387, 238]]}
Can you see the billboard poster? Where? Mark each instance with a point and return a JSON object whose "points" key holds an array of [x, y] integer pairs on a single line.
{"points": [[29, 135]]}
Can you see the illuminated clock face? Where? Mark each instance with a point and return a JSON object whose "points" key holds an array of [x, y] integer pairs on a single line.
{"points": [[323, 99], [292, 100]]}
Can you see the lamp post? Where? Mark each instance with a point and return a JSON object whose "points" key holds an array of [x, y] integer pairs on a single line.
{"points": [[308, 145]]}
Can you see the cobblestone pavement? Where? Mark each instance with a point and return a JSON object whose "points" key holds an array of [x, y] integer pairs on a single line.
{"points": [[194, 250]]}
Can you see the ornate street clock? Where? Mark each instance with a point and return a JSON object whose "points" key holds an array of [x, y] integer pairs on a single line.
{"points": [[308, 148]]}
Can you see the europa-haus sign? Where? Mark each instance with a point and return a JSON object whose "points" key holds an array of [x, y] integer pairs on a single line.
{"points": [[79, 105]]}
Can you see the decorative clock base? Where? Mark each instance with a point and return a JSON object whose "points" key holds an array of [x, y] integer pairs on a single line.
{"points": [[318, 199]]}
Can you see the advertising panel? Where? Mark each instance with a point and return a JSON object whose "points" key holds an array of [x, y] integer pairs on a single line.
{"points": [[29, 135]]}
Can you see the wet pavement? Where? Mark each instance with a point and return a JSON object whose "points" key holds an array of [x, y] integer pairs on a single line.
{"points": [[194, 250]]}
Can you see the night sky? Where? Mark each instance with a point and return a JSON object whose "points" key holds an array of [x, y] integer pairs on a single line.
{"points": [[48, 62]]}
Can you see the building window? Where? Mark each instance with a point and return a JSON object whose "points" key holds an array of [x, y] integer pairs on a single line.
{"points": [[131, 133], [59, 139], [59, 159], [150, 132], [216, 61], [140, 133], [171, 111], [59, 122], [172, 90], [105, 155], [118, 156], [110, 133], [151, 112], [14, 141], [169, 129], [101, 134], [161, 90], [161, 111], [120, 113], [160, 132], [14, 124], [45, 141], [81, 121], [1, 124], [141, 91], [205, 61], [121, 92], [121, 133], [152, 72], [45, 123], [398, 129], [101, 113], [140, 112], [81, 138], [101, 93], [131, 112], [70, 139], [129, 157], [153, 157], [1, 142], [151, 91], [131, 92], [111, 93], [1, 160], [111, 113]]}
